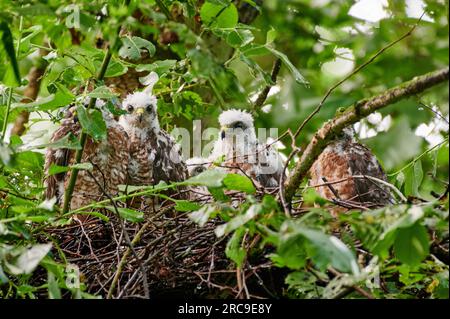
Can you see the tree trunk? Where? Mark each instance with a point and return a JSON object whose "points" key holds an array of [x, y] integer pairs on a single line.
{"points": [[30, 93]]}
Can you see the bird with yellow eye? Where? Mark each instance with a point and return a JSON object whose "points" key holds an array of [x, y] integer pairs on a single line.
{"points": [[154, 155]]}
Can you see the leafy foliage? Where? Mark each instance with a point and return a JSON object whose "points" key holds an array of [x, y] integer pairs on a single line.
{"points": [[209, 58]]}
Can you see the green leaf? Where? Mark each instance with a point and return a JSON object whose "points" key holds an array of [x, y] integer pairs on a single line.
{"points": [[220, 2], [202, 215], [239, 183], [95, 214], [271, 36], [218, 15], [291, 253], [323, 249], [35, 10], [55, 169], [128, 214], [186, 103], [25, 260], [29, 160], [383, 246], [304, 283], [161, 67], [234, 249], [69, 141], [115, 68], [311, 197], [209, 178], [132, 47], [295, 72], [3, 278], [53, 288], [92, 122], [202, 65], [414, 177], [61, 97], [388, 237], [87, 59], [131, 188], [5, 154], [252, 50], [255, 69], [31, 32], [186, 206], [442, 290], [329, 250], [218, 194], [102, 92], [413, 214], [239, 37], [239, 220], [7, 46], [412, 244], [390, 146], [115, 110], [400, 180]]}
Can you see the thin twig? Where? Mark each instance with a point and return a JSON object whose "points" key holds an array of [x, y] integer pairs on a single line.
{"points": [[359, 68], [125, 232], [127, 253], [419, 157], [380, 181], [286, 205], [437, 113], [356, 288], [330, 186]]}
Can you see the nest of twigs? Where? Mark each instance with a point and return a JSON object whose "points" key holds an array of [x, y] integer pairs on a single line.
{"points": [[172, 257]]}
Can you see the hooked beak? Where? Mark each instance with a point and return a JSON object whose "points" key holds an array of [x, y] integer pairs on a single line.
{"points": [[223, 132], [139, 112], [75, 116]]}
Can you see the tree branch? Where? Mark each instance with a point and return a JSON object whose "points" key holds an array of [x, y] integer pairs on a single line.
{"points": [[353, 114], [30, 93], [265, 92], [357, 70]]}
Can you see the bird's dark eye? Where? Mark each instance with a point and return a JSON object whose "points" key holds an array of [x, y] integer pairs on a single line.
{"points": [[149, 108], [130, 108], [199, 169], [238, 125]]}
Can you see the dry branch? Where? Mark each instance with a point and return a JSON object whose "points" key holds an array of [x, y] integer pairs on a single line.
{"points": [[353, 114]]}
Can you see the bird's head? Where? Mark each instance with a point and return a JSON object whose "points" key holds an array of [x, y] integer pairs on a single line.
{"points": [[237, 123], [141, 108], [348, 133]]}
